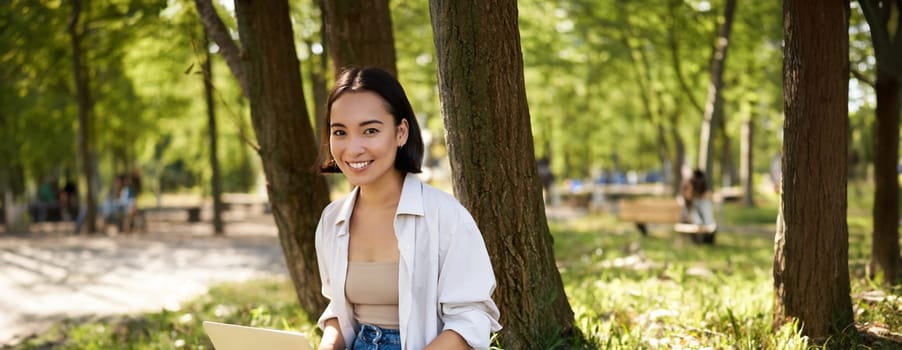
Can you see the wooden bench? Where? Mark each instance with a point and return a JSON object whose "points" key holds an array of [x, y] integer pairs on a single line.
{"points": [[645, 211], [193, 212]]}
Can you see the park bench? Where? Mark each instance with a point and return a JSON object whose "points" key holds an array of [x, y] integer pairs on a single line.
{"points": [[656, 210], [192, 212]]}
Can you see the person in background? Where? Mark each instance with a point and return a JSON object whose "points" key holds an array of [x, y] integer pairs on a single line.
{"points": [[69, 199], [130, 200], [403, 264], [698, 207]]}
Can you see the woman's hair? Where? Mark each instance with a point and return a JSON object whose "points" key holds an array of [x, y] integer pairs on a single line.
{"points": [[409, 157], [698, 182]]}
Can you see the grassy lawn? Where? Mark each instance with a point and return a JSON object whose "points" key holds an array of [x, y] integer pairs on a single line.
{"points": [[627, 291]]}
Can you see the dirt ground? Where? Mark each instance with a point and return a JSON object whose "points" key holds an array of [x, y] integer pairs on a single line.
{"points": [[49, 274]]}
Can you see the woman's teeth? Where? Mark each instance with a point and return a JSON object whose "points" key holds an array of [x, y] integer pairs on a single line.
{"points": [[358, 165]]}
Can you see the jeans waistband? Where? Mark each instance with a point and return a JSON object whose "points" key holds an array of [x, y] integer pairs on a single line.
{"points": [[377, 335]]}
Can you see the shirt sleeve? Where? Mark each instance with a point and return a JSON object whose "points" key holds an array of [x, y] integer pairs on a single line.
{"points": [[325, 279], [465, 286]]}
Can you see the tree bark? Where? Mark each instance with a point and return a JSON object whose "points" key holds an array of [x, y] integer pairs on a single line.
{"points": [[215, 179], [85, 116], [714, 102], [359, 33], [287, 147], [885, 248], [811, 270], [888, 51], [480, 71]]}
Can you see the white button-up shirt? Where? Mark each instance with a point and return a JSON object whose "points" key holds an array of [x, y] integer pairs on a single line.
{"points": [[445, 277]]}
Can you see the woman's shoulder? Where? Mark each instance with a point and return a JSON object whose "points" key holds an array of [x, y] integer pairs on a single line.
{"points": [[444, 207], [442, 199]]}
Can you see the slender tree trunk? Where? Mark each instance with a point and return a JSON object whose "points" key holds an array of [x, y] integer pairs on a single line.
{"points": [[480, 70], [85, 116], [713, 105], [215, 180], [885, 248], [359, 33], [272, 82], [888, 51], [811, 260], [728, 171], [747, 164], [679, 157]]}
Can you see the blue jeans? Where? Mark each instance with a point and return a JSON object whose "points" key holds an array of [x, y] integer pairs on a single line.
{"points": [[370, 337]]}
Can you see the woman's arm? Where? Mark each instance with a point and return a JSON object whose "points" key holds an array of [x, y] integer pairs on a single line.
{"points": [[448, 340], [332, 338]]}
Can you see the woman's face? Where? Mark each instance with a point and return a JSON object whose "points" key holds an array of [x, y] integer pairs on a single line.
{"points": [[364, 139]]}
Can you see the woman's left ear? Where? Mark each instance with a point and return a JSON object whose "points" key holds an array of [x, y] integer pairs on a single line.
{"points": [[403, 130]]}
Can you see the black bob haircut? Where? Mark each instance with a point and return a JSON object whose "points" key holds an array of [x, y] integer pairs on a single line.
{"points": [[409, 158]]}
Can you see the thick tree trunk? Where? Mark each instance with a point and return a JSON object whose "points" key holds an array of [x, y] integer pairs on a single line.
{"points": [[714, 102], [287, 148], [480, 70], [885, 248], [359, 33], [747, 173], [215, 180], [811, 260], [85, 117]]}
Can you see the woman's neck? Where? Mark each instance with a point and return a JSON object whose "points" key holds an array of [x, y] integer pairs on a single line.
{"points": [[386, 193]]}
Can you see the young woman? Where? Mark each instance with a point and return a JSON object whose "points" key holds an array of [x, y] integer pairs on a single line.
{"points": [[403, 264]]}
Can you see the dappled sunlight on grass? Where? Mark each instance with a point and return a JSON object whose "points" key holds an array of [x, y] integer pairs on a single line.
{"points": [[664, 291]]}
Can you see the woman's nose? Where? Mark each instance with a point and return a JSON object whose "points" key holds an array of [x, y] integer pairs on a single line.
{"points": [[356, 144]]}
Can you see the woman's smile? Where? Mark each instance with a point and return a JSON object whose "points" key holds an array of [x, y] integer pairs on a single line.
{"points": [[359, 165]]}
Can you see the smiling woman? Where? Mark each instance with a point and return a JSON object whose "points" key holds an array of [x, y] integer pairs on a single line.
{"points": [[403, 264]]}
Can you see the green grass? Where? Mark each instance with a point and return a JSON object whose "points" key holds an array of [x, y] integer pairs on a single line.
{"points": [[627, 292]]}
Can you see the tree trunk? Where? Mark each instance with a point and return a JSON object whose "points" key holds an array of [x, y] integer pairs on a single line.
{"points": [[287, 148], [888, 51], [85, 116], [885, 248], [359, 33], [747, 163], [480, 71], [679, 156], [811, 260], [728, 171], [713, 105], [215, 180]]}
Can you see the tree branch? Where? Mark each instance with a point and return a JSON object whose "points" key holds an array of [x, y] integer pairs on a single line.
{"points": [[220, 34], [675, 58], [860, 77]]}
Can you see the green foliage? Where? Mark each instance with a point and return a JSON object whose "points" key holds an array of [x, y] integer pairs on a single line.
{"points": [[149, 114]]}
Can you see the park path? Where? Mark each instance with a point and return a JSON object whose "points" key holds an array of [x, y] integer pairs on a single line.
{"points": [[47, 277]]}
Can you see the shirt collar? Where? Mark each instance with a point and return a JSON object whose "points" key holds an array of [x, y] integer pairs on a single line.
{"points": [[411, 201]]}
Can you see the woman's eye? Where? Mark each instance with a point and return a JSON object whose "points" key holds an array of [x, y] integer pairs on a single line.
{"points": [[371, 131], [338, 133]]}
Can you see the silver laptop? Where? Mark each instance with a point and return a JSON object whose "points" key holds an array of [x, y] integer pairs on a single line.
{"points": [[234, 337]]}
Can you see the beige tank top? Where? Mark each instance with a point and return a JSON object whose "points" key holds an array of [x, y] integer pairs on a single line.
{"points": [[372, 288]]}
